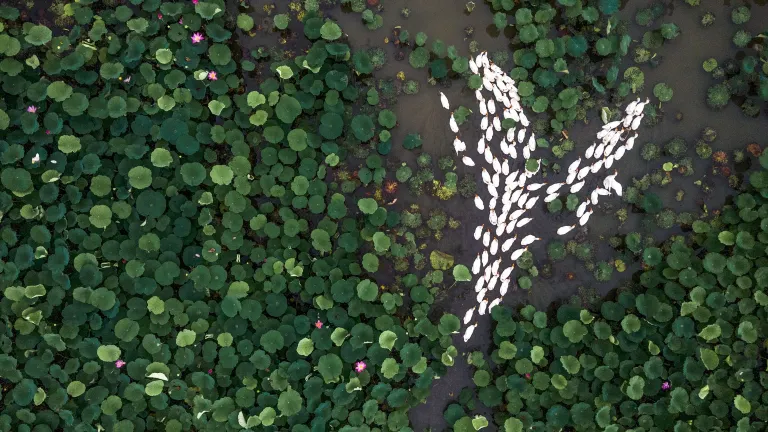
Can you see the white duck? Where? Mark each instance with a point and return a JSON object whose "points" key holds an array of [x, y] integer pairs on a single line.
{"points": [[524, 221], [458, 145], [508, 244], [582, 208], [468, 315], [468, 332], [493, 304], [577, 186], [574, 166], [483, 306], [584, 218], [554, 188], [563, 230], [479, 203], [444, 101], [517, 253], [504, 287], [530, 238]]}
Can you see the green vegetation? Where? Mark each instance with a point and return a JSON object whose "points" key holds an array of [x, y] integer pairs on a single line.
{"points": [[679, 352], [176, 254]]}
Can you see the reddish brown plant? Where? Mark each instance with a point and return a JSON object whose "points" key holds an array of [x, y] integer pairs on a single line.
{"points": [[754, 149], [720, 157], [725, 171], [390, 186], [570, 276]]}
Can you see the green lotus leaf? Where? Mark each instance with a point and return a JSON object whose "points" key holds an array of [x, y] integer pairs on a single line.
{"points": [[331, 125], [367, 205], [329, 366], [574, 331], [528, 33], [362, 127], [742, 404], [710, 332], [461, 273], [100, 216], [140, 177], [330, 30], [390, 368], [221, 174], [635, 387], [38, 35], [290, 402], [287, 109], [108, 353], [367, 290]]}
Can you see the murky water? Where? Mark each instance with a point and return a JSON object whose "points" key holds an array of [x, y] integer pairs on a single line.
{"points": [[680, 68]]}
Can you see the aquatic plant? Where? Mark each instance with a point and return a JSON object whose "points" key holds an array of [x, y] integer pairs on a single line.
{"points": [[650, 151], [467, 186], [645, 17], [670, 31], [718, 96], [437, 219], [709, 134], [709, 65], [740, 15], [411, 87], [636, 79], [669, 307], [424, 160], [707, 19], [665, 219], [211, 270], [703, 150], [741, 38], [642, 55], [663, 92], [676, 147], [419, 57], [556, 250]]}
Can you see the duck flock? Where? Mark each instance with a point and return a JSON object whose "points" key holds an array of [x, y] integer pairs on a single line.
{"points": [[509, 179]]}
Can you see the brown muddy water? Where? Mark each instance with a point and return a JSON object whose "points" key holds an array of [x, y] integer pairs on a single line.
{"points": [[680, 68]]}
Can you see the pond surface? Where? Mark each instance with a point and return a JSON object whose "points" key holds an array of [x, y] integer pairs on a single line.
{"points": [[680, 67]]}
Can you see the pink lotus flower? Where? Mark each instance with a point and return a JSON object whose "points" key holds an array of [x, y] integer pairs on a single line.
{"points": [[360, 366], [181, 20], [197, 37], [159, 15], [119, 364], [32, 109], [212, 76], [47, 132], [210, 371], [319, 324], [194, 2], [665, 385], [36, 158]]}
